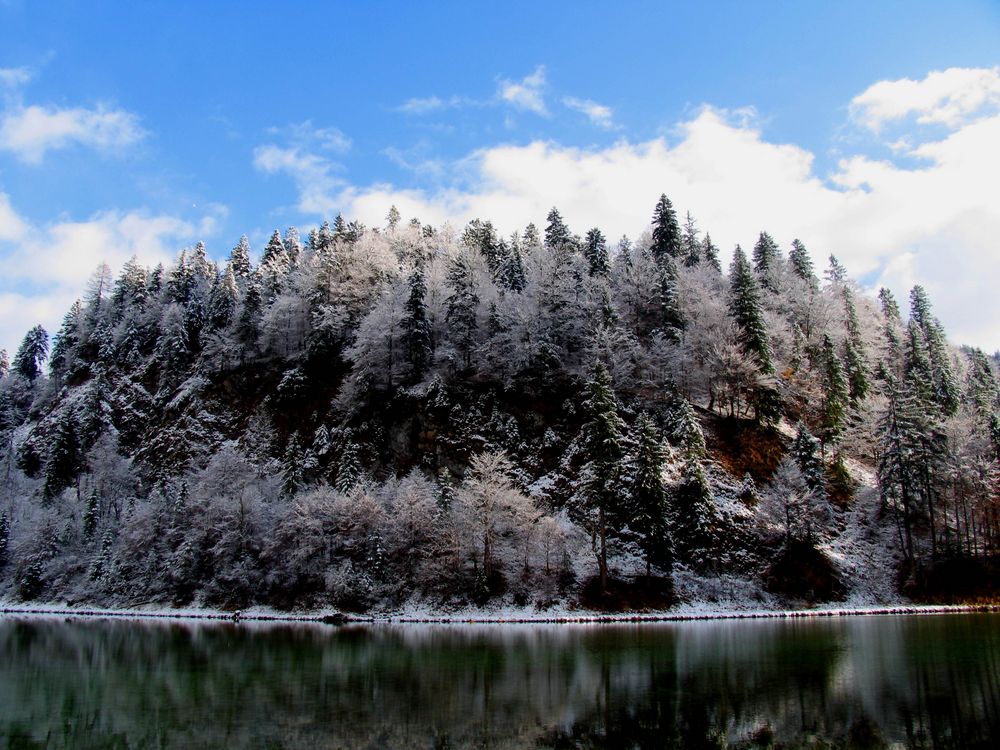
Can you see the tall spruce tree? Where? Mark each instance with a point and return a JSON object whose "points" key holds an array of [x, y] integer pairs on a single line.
{"points": [[595, 250], [666, 232], [416, 328], [648, 494], [31, 354], [802, 265], [767, 261], [836, 394]]}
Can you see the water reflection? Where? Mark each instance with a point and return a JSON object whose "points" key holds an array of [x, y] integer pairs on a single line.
{"points": [[857, 682]]}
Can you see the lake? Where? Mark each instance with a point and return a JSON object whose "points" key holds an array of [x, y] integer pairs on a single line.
{"points": [[877, 681]]}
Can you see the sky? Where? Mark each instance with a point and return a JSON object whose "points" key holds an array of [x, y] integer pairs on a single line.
{"points": [[870, 130]]}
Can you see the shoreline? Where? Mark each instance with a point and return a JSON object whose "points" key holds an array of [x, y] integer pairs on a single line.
{"points": [[513, 617]]}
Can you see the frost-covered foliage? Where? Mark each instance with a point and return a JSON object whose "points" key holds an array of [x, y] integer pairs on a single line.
{"points": [[378, 415]]}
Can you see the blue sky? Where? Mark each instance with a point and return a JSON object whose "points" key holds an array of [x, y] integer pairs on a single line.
{"points": [[144, 128]]}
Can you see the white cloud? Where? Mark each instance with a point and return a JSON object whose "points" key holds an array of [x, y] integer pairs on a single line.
{"points": [[44, 268], [944, 97], [29, 132], [312, 174], [527, 93], [420, 106], [14, 77], [599, 114], [306, 135]]}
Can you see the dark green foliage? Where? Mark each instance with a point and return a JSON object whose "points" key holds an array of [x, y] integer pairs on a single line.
{"points": [[710, 253], [595, 250], [805, 449], [463, 305], [91, 515], [691, 248], [666, 232], [556, 231], [835, 272], [416, 329], [943, 383], [4, 538], [239, 260], [349, 465], [802, 265], [671, 319], [745, 307], [647, 503], [694, 517], [766, 261], [31, 354], [836, 394]]}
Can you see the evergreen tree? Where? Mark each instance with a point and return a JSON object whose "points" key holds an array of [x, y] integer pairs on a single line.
{"points": [[66, 342], [711, 253], [666, 232], [836, 393], [595, 250], [416, 328], [293, 246], [749, 494], [64, 459], [685, 430], [556, 231], [805, 450], [690, 246], [292, 474], [392, 218], [223, 300], [91, 515], [239, 260], [481, 237], [4, 364], [671, 319], [802, 265], [694, 516], [648, 494], [4, 539], [274, 266], [944, 384], [745, 307], [854, 352], [766, 261], [513, 276], [31, 354], [603, 438], [836, 273], [463, 306], [349, 465]]}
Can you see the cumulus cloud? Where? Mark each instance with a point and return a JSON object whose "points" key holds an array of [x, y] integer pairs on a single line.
{"points": [[526, 94], [44, 268], [30, 132], [944, 97], [599, 114]]}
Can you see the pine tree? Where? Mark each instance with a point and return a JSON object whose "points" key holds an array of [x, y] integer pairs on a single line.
{"points": [[293, 246], [463, 306], [684, 430], [805, 449], [671, 319], [274, 266], [666, 233], [91, 515], [556, 231], [513, 276], [603, 438], [802, 265], [481, 237], [836, 394], [766, 261], [595, 250], [711, 253], [745, 307], [854, 352], [648, 494], [349, 465], [944, 384], [65, 458], [694, 516], [836, 273], [31, 354], [392, 218], [223, 300], [749, 495], [239, 260], [4, 539], [416, 328], [4, 364], [690, 246], [292, 474]]}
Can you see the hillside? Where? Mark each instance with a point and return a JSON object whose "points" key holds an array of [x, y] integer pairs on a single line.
{"points": [[379, 418]]}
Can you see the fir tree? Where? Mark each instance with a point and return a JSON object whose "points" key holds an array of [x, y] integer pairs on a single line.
{"points": [[694, 516], [836, 393], [4, 539], [31, 354], [648, 494], [603, 438], [745, 307], [91, 515], [685, 430], [666, 233], [802, 265], [671, 319], [556, 231], [481, 237], [416, 328], [805, 450], [463, 306], [766, 261], [944, 384], [349, 465], [595, 250], [4, 364], [836, 273], [513, 276], [711, 253], [64, 459], [239, 260], [292, 474], [691, 248], [854, 352]]}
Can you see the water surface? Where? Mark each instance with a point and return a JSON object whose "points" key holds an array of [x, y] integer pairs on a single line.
{"points": [[915, 682]]}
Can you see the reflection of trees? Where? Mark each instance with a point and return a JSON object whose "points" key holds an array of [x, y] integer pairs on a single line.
{"points": [[920, 682]]}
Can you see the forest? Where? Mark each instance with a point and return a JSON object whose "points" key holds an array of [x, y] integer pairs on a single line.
{"points": [[374, 418]]}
